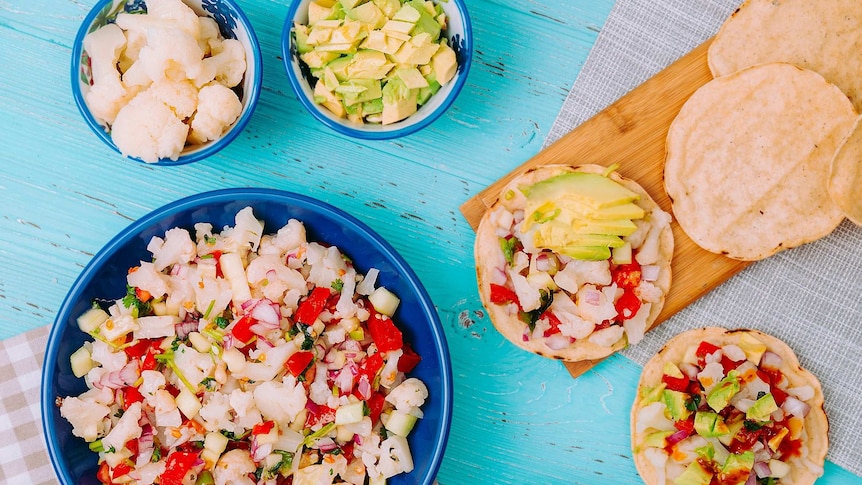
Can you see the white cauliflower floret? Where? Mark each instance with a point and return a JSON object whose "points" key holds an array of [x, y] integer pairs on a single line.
{"points": [[136, 39], [269, 274], [152, 381], [247, 415], [218, 108], [216, 413], [409, 395], [103, 354], [116, 327], [148, 279], [233, 468], [194, 365], [571, 325], [321, 474], [107, 93], [176, 247], [271, 363], [226, 66], [280, 402], [171, 53], [181, 96], [327, 265], [148, 129], [395, 457], [209, 33], [127, 428], [212, 294], [85, 414], [162, 14]]}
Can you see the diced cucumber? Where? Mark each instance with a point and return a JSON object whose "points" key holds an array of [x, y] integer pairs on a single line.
{"points": [[384, 301], [81, 362], [622, 254], [215, 442], [188, 403], [350, 413], [92, 319], [400, 423]]}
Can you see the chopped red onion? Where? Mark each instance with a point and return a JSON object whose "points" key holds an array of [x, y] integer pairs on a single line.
{"points": [[771, 360], [795, 407], [690, 370], [752, 479], [677, 437], [761, 468], [246, 305], [266, 312], [183, 329], [592, 297]]}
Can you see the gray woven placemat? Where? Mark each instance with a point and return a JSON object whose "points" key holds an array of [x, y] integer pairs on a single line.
{"points": [[811, 296]]}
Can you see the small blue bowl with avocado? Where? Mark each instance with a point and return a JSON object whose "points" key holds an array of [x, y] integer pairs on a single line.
{"points": [[377, 70]]}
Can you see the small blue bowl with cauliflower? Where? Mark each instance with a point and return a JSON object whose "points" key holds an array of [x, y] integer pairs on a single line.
{"points": [[166, 82]]}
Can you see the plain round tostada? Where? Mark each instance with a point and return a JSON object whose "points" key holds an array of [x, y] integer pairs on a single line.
{"points": [[548, 281], [748, 160], [823, 36], [730, 407]]}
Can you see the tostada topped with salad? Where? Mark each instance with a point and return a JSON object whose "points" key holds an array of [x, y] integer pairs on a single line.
{"points": [[573, 262], [728, 407]]}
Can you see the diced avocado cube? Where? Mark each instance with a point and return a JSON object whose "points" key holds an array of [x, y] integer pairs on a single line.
{"points": [[349, 4], [753, 348], [388, 7], [412, 78], [328, 99], [359, 91], [317, 12], [330, 80], [407, 13], [300, 36], [427, 23], [762, 408], [374, 106], [586, 253], [657, 439], [650, 395], [399, 101], [339, 67], [398, 26], [719, 397], [444, 63], [370, 14], [709, 424], [738, 465], [317, 59], [694, 474], [675, 403]]}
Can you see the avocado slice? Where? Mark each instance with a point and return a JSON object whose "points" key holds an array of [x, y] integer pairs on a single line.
{"points": [[675, 403], [598, 190], [695, 474], [650, 395], [709, 424], [657, 439]]}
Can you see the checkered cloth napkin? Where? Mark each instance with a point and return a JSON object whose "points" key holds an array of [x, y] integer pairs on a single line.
{"points": [[23, 457], [810, 297]]}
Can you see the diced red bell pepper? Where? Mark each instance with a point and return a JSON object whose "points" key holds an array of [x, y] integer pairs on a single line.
{"points": [[705, 348], [686, 425], [501, 295], [676, 383], [103, 474], [131, 395], [143, 295], [375, 405], [384, 332], [178, 465], [409, 359], [310, 308], [627, 275], [554, 321], [627, 305], [370, 367], [120, 470], [298, 362], [262, 428], [319, 415], [133, 446], [138, 349], [242, 329], [217, 257], [728, 364]]}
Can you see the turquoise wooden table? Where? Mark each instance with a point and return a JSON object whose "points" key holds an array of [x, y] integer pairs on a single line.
{"points": [[518, 418]]}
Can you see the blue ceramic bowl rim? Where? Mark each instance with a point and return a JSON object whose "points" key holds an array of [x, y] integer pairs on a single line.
{"points": [[226, 196], [213, 148], [314, 109]]}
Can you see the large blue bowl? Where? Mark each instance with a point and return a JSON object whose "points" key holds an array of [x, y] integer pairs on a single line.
{"points": [[105, 277]]}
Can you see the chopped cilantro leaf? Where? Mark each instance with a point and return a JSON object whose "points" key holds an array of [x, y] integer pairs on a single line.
{"points": [[337, 285]]}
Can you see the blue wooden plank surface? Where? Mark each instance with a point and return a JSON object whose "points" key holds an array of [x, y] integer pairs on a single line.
{"points": [[518, 418]]}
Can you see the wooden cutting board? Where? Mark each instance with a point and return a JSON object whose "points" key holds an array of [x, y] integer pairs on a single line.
{"points": [[632, 132]]}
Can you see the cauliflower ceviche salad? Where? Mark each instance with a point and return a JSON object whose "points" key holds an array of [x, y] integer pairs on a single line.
{"points": [[162, 78], [246, 359]]}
